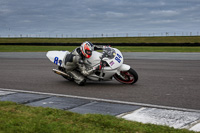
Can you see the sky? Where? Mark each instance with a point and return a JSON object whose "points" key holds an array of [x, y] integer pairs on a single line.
{"points": [[85, 18]]}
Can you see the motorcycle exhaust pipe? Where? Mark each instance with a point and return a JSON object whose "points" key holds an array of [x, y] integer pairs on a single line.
{"points": [[61, 73]]}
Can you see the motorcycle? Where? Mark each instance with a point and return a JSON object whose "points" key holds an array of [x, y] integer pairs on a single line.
{"points": [[111, 60]]}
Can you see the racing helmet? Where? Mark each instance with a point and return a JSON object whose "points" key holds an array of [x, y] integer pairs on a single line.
{"points": [[86, 49]]}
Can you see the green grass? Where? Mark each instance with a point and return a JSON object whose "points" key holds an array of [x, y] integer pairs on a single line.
{"points": [[16, 118], [170, 39], [27, 48], [10, 48]]}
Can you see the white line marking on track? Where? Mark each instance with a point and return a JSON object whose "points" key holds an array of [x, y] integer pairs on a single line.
{"points": [[104, 100]]}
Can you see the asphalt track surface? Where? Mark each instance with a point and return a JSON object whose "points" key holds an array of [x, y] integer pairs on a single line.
{"points": [[166, 82]]}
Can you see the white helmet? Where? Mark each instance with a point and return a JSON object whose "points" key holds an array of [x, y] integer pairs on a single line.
{"points": [[86, 49]]}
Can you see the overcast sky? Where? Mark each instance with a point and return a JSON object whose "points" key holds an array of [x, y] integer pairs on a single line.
{"points": [[92, 17]]}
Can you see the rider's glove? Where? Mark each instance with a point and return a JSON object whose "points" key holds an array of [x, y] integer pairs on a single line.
{"points": [[99, 67]]}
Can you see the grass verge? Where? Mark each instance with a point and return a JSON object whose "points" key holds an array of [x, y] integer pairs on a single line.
{"points": [[169, 39], [16, 118], [10, 48]]}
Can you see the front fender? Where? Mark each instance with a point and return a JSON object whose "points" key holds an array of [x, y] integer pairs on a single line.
{"points": [[124, 67]]}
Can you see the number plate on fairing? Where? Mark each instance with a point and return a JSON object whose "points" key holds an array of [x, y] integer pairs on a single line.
{"points": [[57, 57]]}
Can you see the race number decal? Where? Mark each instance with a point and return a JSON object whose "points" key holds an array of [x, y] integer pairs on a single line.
{"points": [[60, 62], [56, 61], [118, 58]]}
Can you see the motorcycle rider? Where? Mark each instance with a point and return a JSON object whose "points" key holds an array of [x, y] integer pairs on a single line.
{"points": [[76, 59]]}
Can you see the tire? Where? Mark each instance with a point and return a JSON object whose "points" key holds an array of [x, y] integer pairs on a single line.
{"points": [[130, 76]]}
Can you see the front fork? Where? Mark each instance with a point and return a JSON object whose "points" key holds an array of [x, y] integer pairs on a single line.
{"points": [[120, 75]]}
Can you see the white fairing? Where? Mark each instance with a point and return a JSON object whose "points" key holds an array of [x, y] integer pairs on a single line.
{"points": [[115, 65], [57, 57], [124, 67]]}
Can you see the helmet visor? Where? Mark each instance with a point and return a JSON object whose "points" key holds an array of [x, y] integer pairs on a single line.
{"points": [[88, 52]]}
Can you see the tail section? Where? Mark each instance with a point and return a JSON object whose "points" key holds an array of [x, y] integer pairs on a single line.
{"points": [[57, 57]]}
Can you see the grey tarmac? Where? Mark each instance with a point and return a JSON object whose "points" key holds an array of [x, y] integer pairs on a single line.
{"points": [[164, 81]]}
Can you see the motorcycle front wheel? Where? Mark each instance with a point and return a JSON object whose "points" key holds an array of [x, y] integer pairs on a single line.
{"points": [[127, 77]]}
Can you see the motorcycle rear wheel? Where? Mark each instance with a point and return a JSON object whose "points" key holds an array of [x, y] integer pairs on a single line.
{"points": [[129, 77]]}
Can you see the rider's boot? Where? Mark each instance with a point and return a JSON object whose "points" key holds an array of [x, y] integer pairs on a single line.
{"points": [[78, 78]]}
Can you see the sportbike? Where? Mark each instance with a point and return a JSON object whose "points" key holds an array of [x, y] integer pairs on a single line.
{"points": [[111, 60]]}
